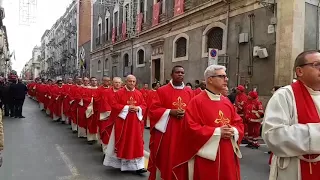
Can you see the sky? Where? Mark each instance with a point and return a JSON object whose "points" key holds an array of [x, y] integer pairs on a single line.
{"points": [[24, 36]]}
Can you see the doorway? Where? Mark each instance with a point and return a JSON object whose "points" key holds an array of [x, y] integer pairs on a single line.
{"points": [[156, 69], [114, 71]]}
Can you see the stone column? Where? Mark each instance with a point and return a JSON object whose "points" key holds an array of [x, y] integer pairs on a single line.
{"points": [[290, 38]]}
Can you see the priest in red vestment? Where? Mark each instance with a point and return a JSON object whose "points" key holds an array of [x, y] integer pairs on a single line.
{"points": [[125, 149], [166, 118], [57, 98], [92, 111], [212, 130], [83, 104], [66, 101], [75, 98], [291, 126], [107, 124], [145, 91], [106, 94], [152, 95]]}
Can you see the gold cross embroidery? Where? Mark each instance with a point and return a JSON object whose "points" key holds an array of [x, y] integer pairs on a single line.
{"points": [[222, 119], [131, 101], [179, 104]]}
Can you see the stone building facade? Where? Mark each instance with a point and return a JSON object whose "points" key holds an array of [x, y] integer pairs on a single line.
{"points": [[169, 34], [84, 22]]}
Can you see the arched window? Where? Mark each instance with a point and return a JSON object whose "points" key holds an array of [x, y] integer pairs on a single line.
{"points": [[106, 65], [215, 38], [126, 60], [180, 48], [126, 67], [99, 65], [140, 58]]}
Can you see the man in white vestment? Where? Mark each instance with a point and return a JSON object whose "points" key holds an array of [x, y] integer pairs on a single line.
{"points": [[292, 125]]}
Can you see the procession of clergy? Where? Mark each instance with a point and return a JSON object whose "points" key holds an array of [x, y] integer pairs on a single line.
{"points": [[195, 134]]}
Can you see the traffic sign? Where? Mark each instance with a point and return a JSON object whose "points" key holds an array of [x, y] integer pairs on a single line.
{"points": [[213, 57]]}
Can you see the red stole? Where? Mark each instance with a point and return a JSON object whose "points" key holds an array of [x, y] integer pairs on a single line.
{"points": [[307, 113]]}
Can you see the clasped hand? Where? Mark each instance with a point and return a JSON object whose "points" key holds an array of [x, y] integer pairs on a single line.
{"points": [[227, 132], [178, 113], [133, 108]]}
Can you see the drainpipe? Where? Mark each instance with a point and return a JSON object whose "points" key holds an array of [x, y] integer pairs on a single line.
{"points": [[317, 33], [227, 24]]}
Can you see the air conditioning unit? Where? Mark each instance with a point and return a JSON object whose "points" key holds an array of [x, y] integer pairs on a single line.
{"points": [[263, 53]]}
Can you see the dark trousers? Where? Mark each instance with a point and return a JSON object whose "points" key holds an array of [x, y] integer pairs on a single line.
{"points": [[18, 103], [9, 109]]}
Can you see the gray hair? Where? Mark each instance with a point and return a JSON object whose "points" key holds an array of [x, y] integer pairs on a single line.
{"points": [[117, 78], [211, 71]]}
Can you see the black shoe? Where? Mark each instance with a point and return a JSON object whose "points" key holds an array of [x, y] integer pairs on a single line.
{"points": [[244, 141], [91, 142], [141, 171], [21, 117]]}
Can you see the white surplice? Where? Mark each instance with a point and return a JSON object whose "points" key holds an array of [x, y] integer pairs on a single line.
{"points": [[286, 138], [111, 158]]}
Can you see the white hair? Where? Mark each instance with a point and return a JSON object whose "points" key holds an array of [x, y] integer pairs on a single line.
{"points": [[117, 78], [211, 71]]}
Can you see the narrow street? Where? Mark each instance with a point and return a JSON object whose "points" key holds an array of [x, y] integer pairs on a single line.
{"points": [[37, 148]]}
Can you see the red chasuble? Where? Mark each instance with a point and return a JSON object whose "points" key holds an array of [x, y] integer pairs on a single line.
{"points": [[51, 103], [86, 99], [163, 145], [75, 97], [58, 100], [92, 114], [105, 123], [197, 91], [307, 113], [128, 131], [203, 117], [66, 99]]}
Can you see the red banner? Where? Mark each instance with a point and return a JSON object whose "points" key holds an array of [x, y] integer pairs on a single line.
{"points": [[139, 22], [156, 14], [124, 30], [113, 35], [178, 7]]}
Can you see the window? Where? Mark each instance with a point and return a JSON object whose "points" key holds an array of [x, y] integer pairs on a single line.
{"points": [[116, 21], [126, 60], [215, 36], [126, 14], [141, 6], [140, 58], [99, 66], [107, 26], [180, 48], [126, 68], [107, 29], [106, 64]]}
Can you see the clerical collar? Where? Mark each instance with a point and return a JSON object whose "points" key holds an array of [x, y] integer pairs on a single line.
{"points": [[129, 89], [213, 96], [177, 87], [312, 92]]}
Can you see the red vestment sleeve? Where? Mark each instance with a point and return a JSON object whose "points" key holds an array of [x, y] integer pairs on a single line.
{"points": [[156, 109]]}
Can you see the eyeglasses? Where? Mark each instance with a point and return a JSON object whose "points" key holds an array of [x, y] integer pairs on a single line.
{"points": [[315, 65], [220, 76]]}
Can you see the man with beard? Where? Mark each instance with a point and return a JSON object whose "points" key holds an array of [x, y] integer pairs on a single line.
{"points": [[166, 121]]}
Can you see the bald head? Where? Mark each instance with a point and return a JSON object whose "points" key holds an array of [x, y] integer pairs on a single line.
{"points": [[131, 82], [106, 81], [117, 83]]}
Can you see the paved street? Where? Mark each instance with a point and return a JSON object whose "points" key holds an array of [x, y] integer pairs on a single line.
{"points": [[38, 149]]}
